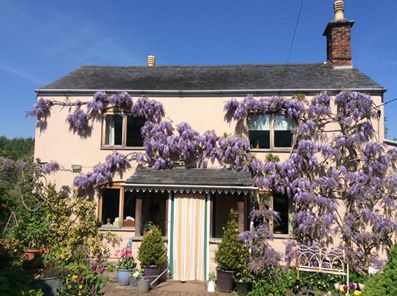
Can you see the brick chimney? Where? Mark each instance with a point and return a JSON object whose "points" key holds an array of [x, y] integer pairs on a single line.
{"points": [[338, 33]]}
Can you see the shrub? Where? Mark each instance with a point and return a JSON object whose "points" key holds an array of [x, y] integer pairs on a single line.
{"points": [[75, 230], [274, 282], [232, 254], [384, 283], [152, 250]]}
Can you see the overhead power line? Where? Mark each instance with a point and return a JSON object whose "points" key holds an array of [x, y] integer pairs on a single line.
{"points": [[284, 74], [294, 34]]}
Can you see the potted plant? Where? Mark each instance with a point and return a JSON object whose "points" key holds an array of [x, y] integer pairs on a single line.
{"points": [[211, 282], [125, 266], [135, 276], [153, 254], [231, 255]]}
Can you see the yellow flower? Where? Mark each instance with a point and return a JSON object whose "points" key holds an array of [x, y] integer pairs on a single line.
{"points": [[69, 286], [74, 277], [357, 293], [342, 288], [81, 287]]}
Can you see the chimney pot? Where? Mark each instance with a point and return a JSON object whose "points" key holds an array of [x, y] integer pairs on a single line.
{"points": [[151, 61], [339, 9]]}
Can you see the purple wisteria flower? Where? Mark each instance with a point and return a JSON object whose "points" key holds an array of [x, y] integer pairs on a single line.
{"points": [[50, 167], [97, 105], [149, 109], [41, 110], [121, 100], [78, 120]]}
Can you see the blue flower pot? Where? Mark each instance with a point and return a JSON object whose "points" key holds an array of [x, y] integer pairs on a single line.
{"points": [[123, 276]]}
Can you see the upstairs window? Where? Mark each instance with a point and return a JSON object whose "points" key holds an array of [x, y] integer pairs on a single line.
{"points": [[270, 131], [122, 130]]}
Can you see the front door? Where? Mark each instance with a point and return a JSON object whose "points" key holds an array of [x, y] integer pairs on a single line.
{"points": [[189, 237]]}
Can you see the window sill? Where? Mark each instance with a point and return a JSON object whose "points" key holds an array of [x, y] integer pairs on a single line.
{"points": [[103, 147], [282, 236], [117, 229], [215, 240], [140, 238], [273, 150]]}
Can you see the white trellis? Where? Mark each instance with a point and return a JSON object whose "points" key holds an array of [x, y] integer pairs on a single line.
{"points": [[322, 260]]}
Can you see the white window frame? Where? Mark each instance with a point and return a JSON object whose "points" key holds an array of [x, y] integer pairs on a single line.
{"points": [[272, 133], [123, 145]]}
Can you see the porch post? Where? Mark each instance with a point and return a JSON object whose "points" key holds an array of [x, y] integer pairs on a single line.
{"points": [[170, 222], [138, 215], [121, 206], [241, 212]]}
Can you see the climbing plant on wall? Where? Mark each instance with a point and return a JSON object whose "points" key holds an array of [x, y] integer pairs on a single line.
{"points": [[329, 169]]}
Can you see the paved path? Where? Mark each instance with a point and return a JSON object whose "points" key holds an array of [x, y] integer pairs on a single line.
{"points": [[169, 288]]}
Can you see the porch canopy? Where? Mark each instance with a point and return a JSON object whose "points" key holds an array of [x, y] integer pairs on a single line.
{"points": [[191, 180]]}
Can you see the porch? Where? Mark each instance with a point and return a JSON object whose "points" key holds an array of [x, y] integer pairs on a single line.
{"points": [[191, 206]]}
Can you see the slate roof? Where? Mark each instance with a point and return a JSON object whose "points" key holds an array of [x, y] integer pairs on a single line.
{"points": [[174, 79], [216, 178]]}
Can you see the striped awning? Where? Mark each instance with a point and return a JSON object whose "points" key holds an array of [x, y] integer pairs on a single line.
{"points": [[191, 180]]}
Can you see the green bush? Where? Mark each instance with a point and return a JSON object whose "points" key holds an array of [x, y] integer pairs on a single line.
{"points": [[273, 282], [152, 250], [384, 283], [232, 254]]}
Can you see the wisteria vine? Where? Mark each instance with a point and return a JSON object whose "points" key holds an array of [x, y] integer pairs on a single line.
{"points": [[328, 170]]}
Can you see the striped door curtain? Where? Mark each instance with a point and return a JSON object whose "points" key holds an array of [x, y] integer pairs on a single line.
{"points": [[189, 237]]}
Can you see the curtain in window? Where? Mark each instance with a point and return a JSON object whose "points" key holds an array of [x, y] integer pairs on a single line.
{"points": [[109, 132], [259, 122], [282, 123]]}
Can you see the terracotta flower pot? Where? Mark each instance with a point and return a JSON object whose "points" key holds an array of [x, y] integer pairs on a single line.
{"points": [[31, 254], [224, 281], [31, 257]]}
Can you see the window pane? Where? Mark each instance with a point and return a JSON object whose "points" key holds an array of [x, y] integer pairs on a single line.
{"points": [[282, 123], [282, 131], [129, 205], [259, 122], [110, 205], [280, 205], [222, 204], [259, 131], [259, 139], [154, 209], [282, 138], [134, 137], [113, 129]]}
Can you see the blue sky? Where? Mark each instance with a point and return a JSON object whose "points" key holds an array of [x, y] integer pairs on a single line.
{"points": [[44, 40]]}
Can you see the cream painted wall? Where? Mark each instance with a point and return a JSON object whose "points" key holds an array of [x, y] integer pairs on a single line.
{"points": [[57, 142]]}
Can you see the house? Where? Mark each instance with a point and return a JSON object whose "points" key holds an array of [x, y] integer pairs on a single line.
{"points": [[190, 205]]}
